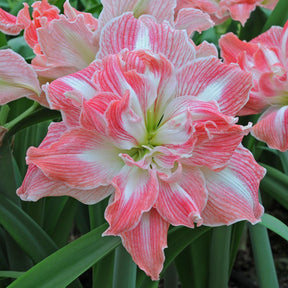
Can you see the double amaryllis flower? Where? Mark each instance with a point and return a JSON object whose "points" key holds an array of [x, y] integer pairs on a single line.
{"points": [[151, 123], [221, 10], [75, 37], [266, 57]]}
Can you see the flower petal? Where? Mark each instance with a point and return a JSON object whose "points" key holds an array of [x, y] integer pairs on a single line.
{"points": [[80, 158], [208, 79], [36, 186], [182, 202], [17, 80], [93, 111], [161, 10], [132, 34], [8, 23], [67, 93], [146, 243], [192, 20], [231, 47], [272, 128], [75, 43], [125, 126], [271, 38], [136, 192], [233, 192], [241, 12]]}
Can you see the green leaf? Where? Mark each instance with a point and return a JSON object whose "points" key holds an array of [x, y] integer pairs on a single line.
{"points": [[40, 115], [20, 46], [275, 225], [10, 274], [7, 180], [65, 223], [284, 160], [53, 210], [236, 236], [254, 25], [26, 232], [124, 265], [65, 265], [263, 258], [219, 253], [278, 16], [194, 260], [275, 184]]}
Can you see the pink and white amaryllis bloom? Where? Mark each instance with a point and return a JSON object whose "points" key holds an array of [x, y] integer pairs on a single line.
{"points": [[266, 57], [155, 132], [63, 44], [188, 19], [221, 10]]}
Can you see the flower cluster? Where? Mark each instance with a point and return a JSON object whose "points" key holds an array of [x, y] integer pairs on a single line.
{"points": [[149, 118]]}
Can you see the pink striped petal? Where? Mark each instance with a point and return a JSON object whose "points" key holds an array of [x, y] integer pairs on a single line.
{"points": [[206, 49], [17, 80], [136, 192], [93, 112], [125, 126], [193, 20], [271, 38], [161, 10], [216, 135], [87, 163], [75, 43], [241, 12], [133, 34], [67, 93], [231, 47], [115, 8], [8, 23], [210, 80], [272, 128], [146, 243], [233, 192], [181, 202], [71, 13], [36, 186]]}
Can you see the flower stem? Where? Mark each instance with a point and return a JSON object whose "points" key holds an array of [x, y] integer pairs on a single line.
{"points": [[124, 269], [4, 110], [220, 256], [263, 257], [22, 116]]}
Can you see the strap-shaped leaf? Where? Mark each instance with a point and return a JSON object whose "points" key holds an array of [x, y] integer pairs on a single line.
{"points": [[275, 184], [278, 16], [275, 225], [25, 231], [65, 265]]}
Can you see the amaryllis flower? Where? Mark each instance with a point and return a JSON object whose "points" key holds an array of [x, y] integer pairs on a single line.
{"points": [[189, 19], [220, 11], [63, 44], [266, 57], [153, 126]]}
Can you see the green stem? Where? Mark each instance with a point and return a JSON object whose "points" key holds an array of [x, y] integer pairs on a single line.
{"points": [[19, 118], [124, 269], [220, 257], [4, 114], [263, 257]]}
